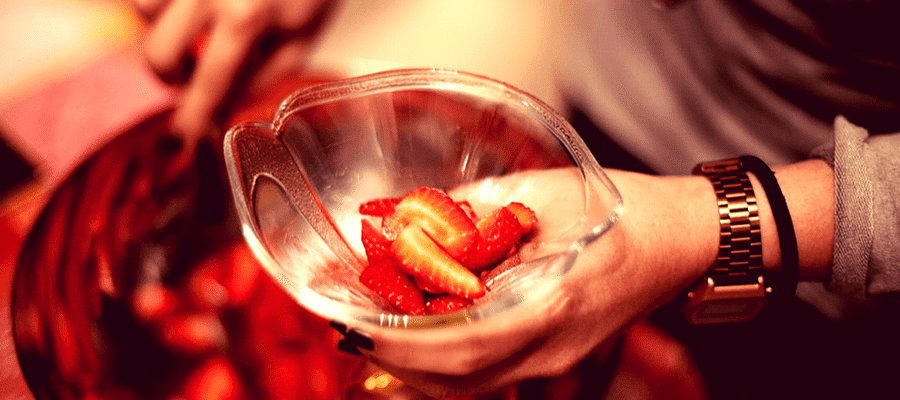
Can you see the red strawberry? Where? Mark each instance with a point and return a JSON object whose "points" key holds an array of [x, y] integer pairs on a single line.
{"points": [[445, 304], [386, 279], [498, 233], [427, 287], [423, 258], [384, 276], [525, 215], [391, 225], [439, 216], [378, 247], [468, 209], [378, 207]]}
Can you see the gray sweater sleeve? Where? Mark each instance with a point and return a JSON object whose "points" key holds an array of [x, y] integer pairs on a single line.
{"points": [[867, 213]]}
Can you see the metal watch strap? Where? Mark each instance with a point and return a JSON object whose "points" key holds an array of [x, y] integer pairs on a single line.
{"points": [[739, 260]]}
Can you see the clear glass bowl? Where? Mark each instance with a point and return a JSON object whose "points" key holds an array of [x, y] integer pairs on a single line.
{"points": [[298, 182]]}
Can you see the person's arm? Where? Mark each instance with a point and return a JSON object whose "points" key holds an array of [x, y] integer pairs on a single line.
{"points": [[808, 188], [666, 238], [677, 218]]}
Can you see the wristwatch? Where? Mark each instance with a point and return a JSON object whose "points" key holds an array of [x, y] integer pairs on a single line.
{"points": [[734, 289]]}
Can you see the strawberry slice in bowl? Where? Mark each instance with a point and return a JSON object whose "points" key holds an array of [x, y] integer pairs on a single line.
{"points": [[439, 216], [422, 257], [439, 246], [384, 276], [379, 207], [526, 216], [445, 304], [386, 279], [498, 234]]}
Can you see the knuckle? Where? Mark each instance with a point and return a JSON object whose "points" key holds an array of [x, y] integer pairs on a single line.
{"points": [[170, 66], [558, 366], [147, 7], [160, 60], [293, 16]]}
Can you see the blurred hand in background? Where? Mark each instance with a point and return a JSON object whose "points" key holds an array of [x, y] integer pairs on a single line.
{"points": [[216, 48]]}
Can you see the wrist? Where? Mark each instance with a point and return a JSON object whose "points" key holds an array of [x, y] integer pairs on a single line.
{"points": [[808, 189], [673, 224], [759, 251], [771, 243]]}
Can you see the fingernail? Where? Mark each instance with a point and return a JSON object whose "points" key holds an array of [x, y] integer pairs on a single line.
{"points": [[360, 340], [348, 348], [340, 327]]}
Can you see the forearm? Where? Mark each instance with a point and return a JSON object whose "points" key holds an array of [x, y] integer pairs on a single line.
{"points": [[673, 223], [808, 188]]}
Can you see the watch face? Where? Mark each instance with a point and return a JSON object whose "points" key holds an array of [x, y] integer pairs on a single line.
{"points": [[728, 310], [711, 304]]}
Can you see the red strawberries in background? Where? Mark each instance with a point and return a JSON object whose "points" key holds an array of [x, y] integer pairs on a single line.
{"points": [[430, 251]]}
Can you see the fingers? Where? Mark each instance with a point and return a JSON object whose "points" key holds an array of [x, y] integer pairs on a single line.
{"points": [[509, 371], [451, 351], [171, 38], [215, 74], [468, 347], [231, 32], [532, 361]]}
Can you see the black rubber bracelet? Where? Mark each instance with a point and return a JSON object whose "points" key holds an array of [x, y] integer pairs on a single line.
{"points": [[790, 259]]}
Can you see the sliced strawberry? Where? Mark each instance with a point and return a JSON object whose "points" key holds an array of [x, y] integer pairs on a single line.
{"points": [[378, 247], [445, 304], [468, 209], [525, 215], [420, 256], [378, 207], [391, 225], [439, 216], [387, 280], [498, 233], [384, 276], [427, 287]]}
